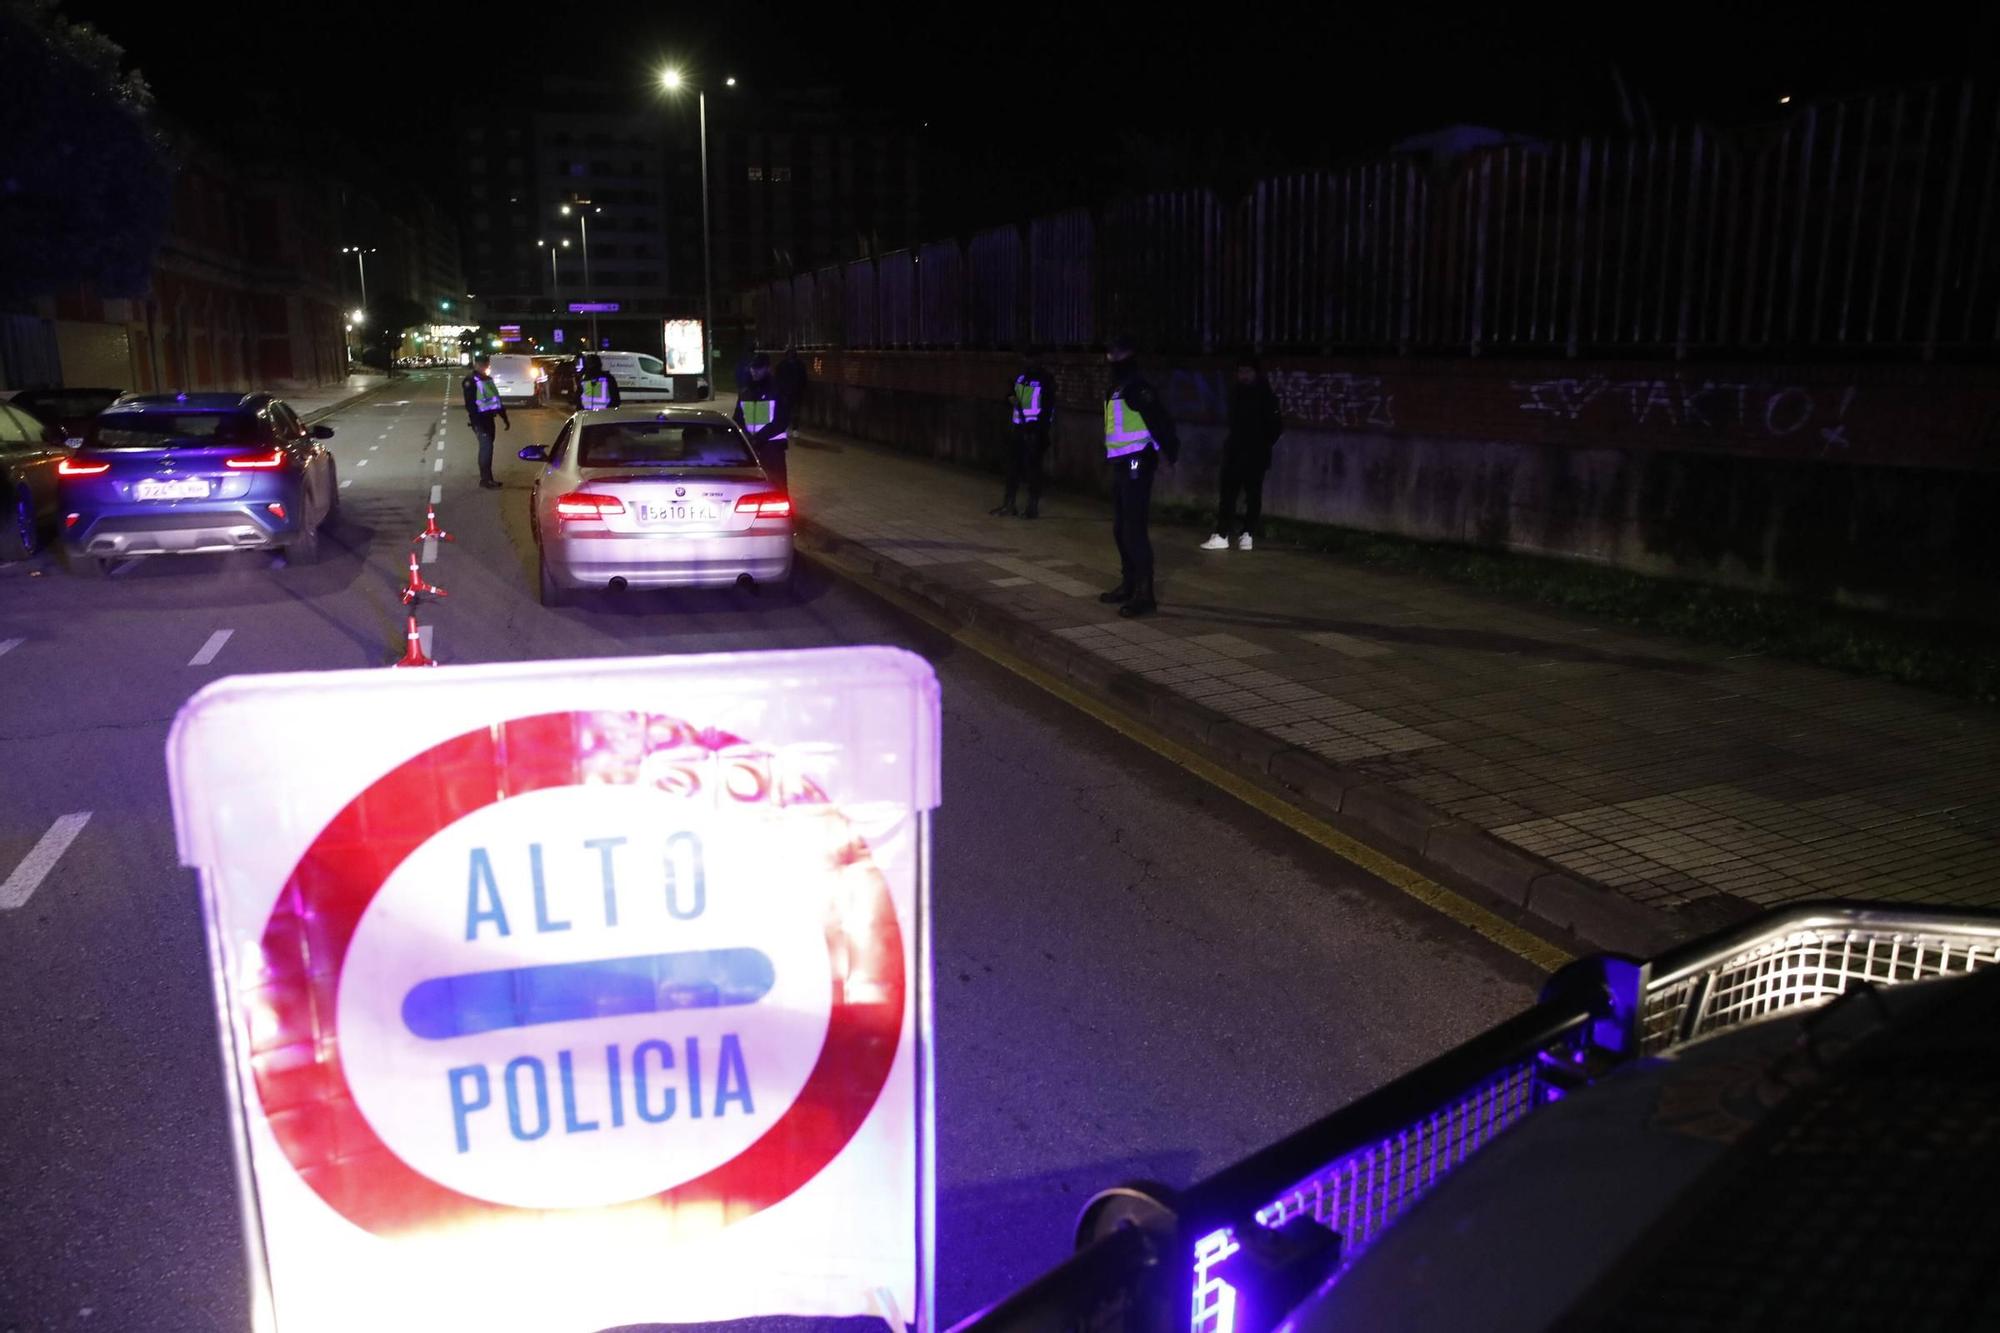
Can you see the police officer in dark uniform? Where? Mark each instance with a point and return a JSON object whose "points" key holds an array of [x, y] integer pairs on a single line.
{"points": [[1031, 402], [597, 391], [1137, 431], [766, 417], [482, 405]]}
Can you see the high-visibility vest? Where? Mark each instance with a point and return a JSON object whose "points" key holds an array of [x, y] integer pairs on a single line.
{"points": [[1125, 429], [486, 395], [758, 415], [597, 394], [1027, 400]]}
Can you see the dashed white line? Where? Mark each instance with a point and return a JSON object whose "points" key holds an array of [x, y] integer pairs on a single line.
{"points": [[430, 549], [361, 462], [8, 644], [439, 467], [345, 482], [373, 447], [437, 494], [41, 859], [211, 648], [427, 638]]}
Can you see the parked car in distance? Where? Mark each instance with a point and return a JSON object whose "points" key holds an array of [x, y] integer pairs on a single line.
{"points": [[169, 473], [655, 498], [30, 450], [70, 410], [520, 379]]}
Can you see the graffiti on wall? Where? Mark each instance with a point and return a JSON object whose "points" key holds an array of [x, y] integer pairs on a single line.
{"points": [[1328, 399], [1715, 407]]}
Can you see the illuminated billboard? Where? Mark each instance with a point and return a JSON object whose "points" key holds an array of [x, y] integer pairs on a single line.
{"points": [[683, 343]]}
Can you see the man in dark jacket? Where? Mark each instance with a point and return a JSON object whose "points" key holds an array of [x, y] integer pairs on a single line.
{"points": [[1032, 403], [789, 375], [1137, 431], [767, 419], [482, 405], [1254, 426]]}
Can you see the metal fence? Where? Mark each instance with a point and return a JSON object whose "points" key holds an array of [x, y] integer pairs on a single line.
{"points": [[1856, 225]]}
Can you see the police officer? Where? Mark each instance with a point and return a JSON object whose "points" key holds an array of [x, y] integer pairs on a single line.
{"points": [[1032, 403], [1137, 431], [482, 405], [766, 417], [599, 387]]}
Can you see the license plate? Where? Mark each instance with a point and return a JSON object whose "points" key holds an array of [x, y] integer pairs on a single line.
{"points": [[681, 513], [179, 488]]}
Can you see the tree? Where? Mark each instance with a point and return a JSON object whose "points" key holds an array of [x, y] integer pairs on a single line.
{"points": [[85, 182]]}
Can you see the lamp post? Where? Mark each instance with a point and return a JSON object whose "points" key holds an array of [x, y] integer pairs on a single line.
{"points": [[671, 80], [555, 279], [582, 210]]}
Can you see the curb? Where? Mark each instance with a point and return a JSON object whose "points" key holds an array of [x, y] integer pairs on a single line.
{"points": [[1400, 824]]}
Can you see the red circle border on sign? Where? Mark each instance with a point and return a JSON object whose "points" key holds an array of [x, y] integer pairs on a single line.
{"points": [[294, 1046]]}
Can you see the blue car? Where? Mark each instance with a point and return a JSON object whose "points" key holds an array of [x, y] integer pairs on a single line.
{"points": [[166, 473]]}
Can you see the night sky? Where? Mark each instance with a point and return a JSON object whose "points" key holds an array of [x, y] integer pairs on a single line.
{"points": [[1011, 98]]}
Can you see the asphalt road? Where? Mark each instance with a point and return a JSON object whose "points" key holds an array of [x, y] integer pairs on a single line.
{"points": [[1137, 976]]}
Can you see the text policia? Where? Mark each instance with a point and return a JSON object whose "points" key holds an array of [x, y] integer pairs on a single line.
{"points": [[596, 1087]]}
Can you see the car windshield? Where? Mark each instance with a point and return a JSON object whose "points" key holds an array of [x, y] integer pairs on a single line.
{"points": [[172, 430], [67, 403], [663, 444]]}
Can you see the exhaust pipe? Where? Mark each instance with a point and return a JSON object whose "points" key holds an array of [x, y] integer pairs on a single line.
{"points": [[745, 582], [617, 585]]}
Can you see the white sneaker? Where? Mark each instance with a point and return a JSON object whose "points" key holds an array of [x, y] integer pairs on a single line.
{"points": [[1244, 543], [1216, 542]]}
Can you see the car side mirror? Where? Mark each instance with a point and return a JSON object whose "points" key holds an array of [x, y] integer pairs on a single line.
{"points": [[534, 453], [322, 432]]}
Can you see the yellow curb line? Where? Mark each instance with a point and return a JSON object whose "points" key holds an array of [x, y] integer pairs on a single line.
{"points": [[1521, 943]]}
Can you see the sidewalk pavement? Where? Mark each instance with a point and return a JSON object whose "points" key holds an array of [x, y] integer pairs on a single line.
{"points": [[1630, 787], [311, 404]]}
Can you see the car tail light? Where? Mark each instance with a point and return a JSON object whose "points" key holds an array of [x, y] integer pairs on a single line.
{"points": [[277, 511], [71, 520], [275, 458], [81, 467], [587, 504], [766, 504]]}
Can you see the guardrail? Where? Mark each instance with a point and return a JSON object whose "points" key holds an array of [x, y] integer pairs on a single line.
{"points": [[1150, 1260]]}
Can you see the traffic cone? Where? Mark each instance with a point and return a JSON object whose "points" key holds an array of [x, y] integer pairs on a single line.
{"points": [[431, 528], [419, 588], [414, 656]]}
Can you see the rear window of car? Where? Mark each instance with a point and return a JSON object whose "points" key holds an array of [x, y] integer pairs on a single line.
{"points": [[663, 444], [173, 430]]}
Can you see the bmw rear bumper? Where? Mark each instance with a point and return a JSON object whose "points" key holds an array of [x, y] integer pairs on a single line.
{"points": [[715, 560]]}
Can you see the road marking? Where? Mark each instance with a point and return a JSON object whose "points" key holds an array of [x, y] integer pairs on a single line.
{"points": [[439, 467], [8, 644], [1521, 943], [437, 494], [346, 482], [211, 648], [41, 859], [361, 462], [373, 447], [427, 636], [430, 549]]}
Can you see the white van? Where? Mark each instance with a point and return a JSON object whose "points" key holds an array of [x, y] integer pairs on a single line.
{"points": [[641, 378], [519, 379]]}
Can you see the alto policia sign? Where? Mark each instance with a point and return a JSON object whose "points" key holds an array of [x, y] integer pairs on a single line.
{"points": [[566, 996]]}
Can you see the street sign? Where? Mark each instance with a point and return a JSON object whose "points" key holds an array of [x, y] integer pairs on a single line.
{"points": [[593, 307], [559, 337], [573, 995], [511, 332]]}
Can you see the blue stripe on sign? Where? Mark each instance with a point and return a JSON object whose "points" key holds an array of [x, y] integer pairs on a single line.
{"points": [[520, 997]]}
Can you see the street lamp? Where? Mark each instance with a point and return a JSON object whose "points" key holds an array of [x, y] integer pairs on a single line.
{"points": [[582, 209], [361, 259], [555, 279], [671, 80]]}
